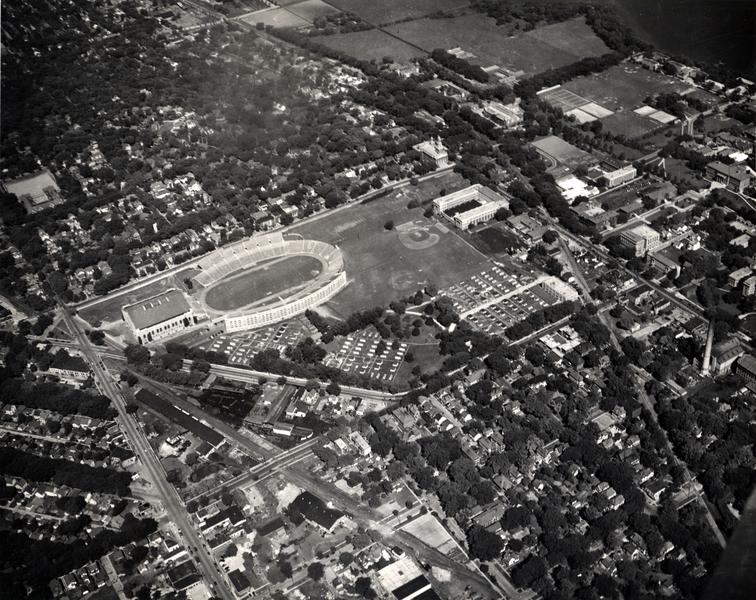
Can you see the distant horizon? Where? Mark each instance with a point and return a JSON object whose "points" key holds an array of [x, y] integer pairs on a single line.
{"points": [[711, 32]]}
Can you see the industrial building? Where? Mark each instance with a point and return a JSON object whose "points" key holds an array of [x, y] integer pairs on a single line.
{"points": [[159, 317], [641, 239]]}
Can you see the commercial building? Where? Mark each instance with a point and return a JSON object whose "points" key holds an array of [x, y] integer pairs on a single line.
{"points": [[559, 291], [35, 192], [70, 369], [746, 368], [734, 177], [470, 206], [159, 317], [641, 239], [434, 152]]}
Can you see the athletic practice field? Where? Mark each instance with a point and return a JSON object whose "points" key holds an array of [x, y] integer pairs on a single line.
{"points": [[385, 265]]}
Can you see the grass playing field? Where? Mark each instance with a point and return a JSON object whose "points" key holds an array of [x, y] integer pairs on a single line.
{"points": [[379, 266], [264, 280], [623, 87], [372, 44]]}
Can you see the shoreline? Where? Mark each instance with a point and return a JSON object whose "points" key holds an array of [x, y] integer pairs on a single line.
{"points": [[709, 33]]}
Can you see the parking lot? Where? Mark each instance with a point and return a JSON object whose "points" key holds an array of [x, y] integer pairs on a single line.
{"points": [[497, 317], [496, 292], [356, 353], [241, 347]]}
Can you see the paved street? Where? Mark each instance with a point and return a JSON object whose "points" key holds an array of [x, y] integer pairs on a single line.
{"points": [[141, 447]]}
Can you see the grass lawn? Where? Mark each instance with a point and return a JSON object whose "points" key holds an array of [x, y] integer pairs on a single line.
{"points": [[623, 87], [261, 281], [629, 124], [109, 308], [532, 52], [391, 11], [379, 266], [372, 44], [494, 240]]}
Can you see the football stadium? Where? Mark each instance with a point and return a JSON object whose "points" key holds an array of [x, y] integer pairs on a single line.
{"points": [[267, 279]]}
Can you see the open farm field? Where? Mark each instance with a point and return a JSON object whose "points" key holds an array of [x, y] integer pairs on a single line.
{"points": [[391, 11], [109, 308], [275, 17], [311, 9], [371, 44], [533, 52], [385, 265]]}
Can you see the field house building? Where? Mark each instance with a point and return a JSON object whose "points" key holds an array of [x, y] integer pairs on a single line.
{"points": [[641, 239], [470, 206], [159, 317]]}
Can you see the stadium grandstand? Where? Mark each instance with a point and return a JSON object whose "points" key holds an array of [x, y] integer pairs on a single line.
{"points": [[234, 259]]}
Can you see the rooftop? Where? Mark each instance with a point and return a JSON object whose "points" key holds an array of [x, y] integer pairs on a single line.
{"points": [[158, 309]]}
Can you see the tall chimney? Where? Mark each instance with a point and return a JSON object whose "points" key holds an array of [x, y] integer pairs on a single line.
{"points": [[707, 350]]}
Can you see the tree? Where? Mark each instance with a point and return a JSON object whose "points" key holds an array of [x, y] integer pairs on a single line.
{"points": [[363, 588], [484, 545], [333, 388], [388, 225], [346, 558], [532, 568], [315, 571], [136, 354], [550, 236]]}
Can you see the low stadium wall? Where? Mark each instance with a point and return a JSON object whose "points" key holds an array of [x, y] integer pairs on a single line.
{"points": [[286, 310]]}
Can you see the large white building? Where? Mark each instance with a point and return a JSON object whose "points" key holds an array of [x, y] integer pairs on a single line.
{"points": [[159, 317], [612, 175], [483, 203], [434, 152], [559, 291], [641, 239]]}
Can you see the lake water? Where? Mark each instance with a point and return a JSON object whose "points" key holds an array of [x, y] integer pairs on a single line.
{"points": [[711, 31]]}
